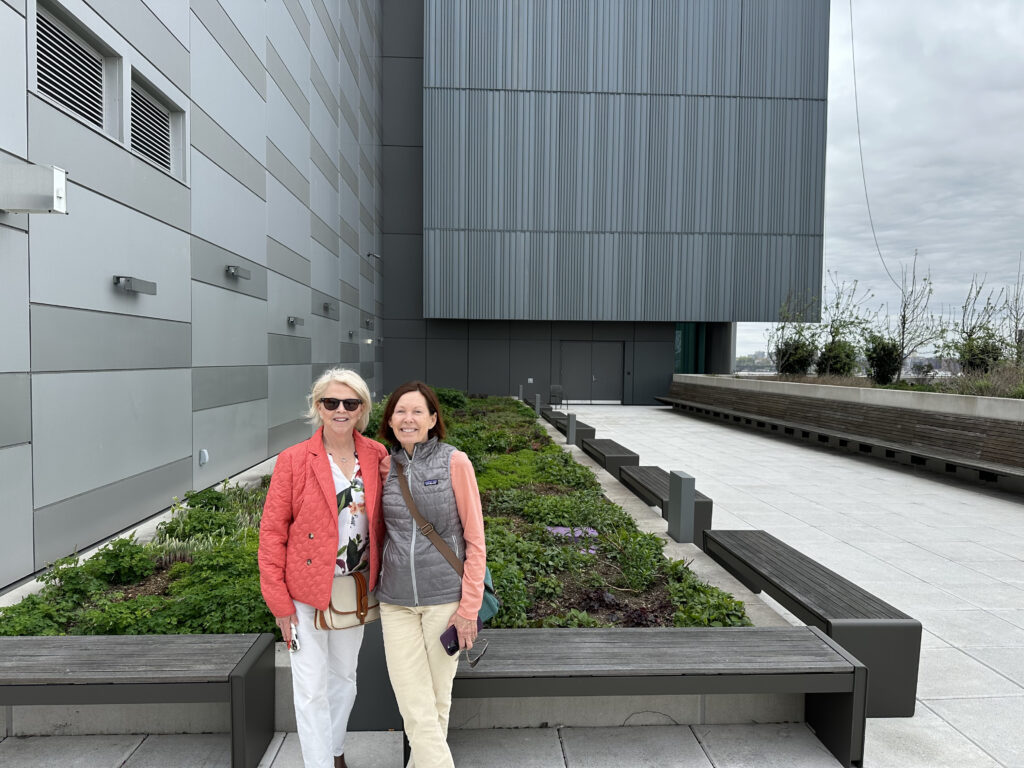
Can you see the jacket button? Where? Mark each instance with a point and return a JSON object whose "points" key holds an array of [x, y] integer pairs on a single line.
{"points": [[311, 535], [309, 562]]}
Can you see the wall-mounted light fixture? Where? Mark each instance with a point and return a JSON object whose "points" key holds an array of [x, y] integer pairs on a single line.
{"points": [[134, 285], [327, 306], [293, 320], [373, 256], [235, 271], [351, 334]]}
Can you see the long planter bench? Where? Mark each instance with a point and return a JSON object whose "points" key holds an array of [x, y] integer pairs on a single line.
{"points": [[629, 662], [130, 669], [884, 638], [609, 454]]}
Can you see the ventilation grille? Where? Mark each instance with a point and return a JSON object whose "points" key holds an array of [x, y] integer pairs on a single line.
{"points": [[151, 128], [68, 71]]}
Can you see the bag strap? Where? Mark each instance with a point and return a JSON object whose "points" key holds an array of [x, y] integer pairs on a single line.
{"points": [[427, 529]]}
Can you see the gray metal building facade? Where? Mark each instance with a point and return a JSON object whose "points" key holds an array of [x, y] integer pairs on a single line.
{"points": [[589, 174], [545, 188], [112, 403]]}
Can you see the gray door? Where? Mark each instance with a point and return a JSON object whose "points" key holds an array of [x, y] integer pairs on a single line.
{"points": [[606, 369], [575, 370], [592, 371]]}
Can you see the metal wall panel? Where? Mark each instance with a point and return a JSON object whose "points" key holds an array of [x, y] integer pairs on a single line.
{"points": [[13, 134], [77, 340], [591, 161], [227, 213], [224, 385], [74, 257], [287, 218], [16, 413], [228, 328], [210, 263], [16, 513], [79, 522], [234, 437], [104, 166], [14, 340], [289, 386], [117, 417]]}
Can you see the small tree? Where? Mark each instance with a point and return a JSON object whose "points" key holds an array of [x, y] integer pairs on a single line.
{"points": [[837, 358], [914, 325], [884, 358], [1012, 327], [973, 338], [792, 340]]}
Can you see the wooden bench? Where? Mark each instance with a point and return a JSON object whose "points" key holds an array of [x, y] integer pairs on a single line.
{"points": [[884, 638], [660, 661], [927, 458], [652, 485], [147, 669], [609, 454]]}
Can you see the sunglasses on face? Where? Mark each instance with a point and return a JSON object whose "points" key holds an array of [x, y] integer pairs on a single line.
{"points": [[332, 403]]}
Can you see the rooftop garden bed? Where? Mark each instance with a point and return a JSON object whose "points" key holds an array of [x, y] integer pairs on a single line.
{"points": [[561, 554]]}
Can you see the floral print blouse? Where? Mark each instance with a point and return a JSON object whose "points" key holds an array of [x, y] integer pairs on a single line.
{"points": [[353, 526]]}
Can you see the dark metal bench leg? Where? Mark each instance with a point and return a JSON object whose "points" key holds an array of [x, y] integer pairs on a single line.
{"points": [[891, 650], [838, 719], [252, 704]]}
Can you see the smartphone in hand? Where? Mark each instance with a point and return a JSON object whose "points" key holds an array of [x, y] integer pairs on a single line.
{"points": [[450, 638]]}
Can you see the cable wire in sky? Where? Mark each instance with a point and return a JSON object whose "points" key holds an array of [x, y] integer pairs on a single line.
{"points": [[860, 147]]}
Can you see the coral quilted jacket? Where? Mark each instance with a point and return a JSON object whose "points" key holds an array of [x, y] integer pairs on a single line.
{"points": [[299, 530]]}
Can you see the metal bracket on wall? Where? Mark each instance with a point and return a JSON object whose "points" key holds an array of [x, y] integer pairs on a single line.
{"points": [[239, 272], [293, 320], [134, 285]]}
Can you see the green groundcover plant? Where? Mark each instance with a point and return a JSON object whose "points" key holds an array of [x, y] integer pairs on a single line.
{"points": [[561, 554]]}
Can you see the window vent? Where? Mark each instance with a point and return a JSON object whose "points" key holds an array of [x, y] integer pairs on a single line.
{"points": [[68, 71], [151, 128]]}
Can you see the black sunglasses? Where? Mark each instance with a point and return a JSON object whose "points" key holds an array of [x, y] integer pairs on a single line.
{"points": [[332, 403]]}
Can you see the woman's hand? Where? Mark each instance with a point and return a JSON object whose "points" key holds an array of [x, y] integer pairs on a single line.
{"points": [[284, 623], [466, 629]]}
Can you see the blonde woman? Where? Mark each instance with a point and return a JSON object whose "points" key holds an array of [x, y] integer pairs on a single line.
{"points": [[322, 519]]}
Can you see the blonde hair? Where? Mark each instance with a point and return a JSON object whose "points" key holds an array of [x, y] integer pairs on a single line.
{"points": [[350, 379]]}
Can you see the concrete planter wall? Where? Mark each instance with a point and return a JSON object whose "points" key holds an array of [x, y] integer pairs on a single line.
{"points": [[974, 436]]}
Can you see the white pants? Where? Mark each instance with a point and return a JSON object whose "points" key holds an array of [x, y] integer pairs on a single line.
{"points": [[421, 675], [323, 687]]}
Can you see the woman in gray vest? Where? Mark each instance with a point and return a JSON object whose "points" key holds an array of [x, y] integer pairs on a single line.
{"points": [[421, 595]]}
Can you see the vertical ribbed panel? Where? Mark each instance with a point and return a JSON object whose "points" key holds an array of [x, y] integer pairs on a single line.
{"points": [[647, 160]]}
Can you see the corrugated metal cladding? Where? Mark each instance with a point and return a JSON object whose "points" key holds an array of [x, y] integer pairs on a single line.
{"points": [[646, 160]]}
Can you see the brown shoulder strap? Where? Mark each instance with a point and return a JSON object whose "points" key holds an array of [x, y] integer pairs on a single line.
{"points": [[427, 529]]}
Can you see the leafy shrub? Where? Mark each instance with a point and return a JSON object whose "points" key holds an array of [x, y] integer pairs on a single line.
{"points": [[549, 465], [189, 522], [510, 586], [219, 591], [795, 356], [33, 615], [883, 358], [546, 588], [577, 510], [837, 358], [210, 498], [144, 615], [702, 605], [638, 555], [978, 355], [121, 561], [452, 399]]}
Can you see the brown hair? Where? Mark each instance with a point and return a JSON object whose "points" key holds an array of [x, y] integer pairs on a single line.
{"points": [[387, 433]]}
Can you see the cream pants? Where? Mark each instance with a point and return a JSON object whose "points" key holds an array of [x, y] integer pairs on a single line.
{"points": [[421, 674], [323, 687]]}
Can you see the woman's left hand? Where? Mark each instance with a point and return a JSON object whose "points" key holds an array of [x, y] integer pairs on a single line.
{"points": [[466, 629]]}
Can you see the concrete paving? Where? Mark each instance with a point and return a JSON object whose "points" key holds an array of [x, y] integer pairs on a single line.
{"points": [[950, 555]]}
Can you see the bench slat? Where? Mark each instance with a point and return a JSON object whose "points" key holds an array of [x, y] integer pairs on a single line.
{"points": [[624, 652], [819, 589]]}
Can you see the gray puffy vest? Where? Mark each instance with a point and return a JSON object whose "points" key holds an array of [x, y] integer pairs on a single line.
{"points": [[413, 572]]}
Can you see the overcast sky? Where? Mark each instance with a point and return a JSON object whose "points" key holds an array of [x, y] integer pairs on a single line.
{"points": [[941, 88]]}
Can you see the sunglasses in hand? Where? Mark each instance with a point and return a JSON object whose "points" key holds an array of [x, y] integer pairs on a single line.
{"points": [[332, 403]]}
